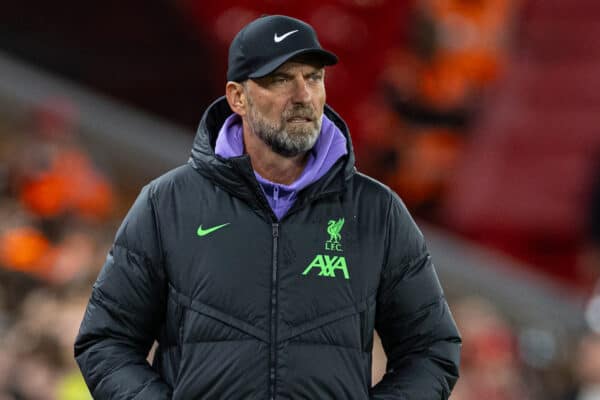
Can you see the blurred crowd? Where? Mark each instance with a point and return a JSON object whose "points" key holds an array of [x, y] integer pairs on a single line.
{"points": [[59, 212], [56, 224], [417, 124]]}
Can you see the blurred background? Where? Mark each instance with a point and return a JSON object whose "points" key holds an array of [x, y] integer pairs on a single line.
{"points": [[481, 114]]}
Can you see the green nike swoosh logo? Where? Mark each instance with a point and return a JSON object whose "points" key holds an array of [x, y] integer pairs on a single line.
{"points": [[203, 232]]}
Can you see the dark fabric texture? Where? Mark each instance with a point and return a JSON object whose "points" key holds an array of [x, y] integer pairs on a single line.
{"points": [[260, 308]]}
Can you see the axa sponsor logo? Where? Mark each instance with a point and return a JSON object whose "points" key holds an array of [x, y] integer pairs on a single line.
{"points": [[326, 264]]}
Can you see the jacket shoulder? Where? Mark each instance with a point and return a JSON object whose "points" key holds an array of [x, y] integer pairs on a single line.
{"points": [[380, 190], [171, 179], [371, 183], [371, 187]]}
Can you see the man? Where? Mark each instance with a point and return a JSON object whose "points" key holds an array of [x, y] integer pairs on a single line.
{"points": [[263, 265]]}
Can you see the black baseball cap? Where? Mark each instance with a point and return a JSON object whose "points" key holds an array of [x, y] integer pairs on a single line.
{"points": [[266, 43]]}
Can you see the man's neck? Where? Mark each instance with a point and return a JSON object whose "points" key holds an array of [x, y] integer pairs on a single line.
{"points": [[270, 165]]}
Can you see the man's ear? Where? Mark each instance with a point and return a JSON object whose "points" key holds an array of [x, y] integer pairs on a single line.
{"points": [[236, 97]]}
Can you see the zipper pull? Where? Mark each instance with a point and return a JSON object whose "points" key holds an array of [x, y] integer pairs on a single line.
{"points": [[275, 196], [275, 230]]}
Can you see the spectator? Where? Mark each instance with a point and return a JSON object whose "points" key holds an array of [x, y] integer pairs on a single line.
{"points": [[53, 176]]}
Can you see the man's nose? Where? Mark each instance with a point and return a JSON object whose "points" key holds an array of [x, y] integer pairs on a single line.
{"points": [[302, 92]]}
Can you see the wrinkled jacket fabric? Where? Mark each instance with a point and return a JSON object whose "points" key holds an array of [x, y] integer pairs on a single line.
{"points": [[261, 308]]}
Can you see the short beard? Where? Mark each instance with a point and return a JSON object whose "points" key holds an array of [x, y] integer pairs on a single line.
{"points": [[285, 140]]}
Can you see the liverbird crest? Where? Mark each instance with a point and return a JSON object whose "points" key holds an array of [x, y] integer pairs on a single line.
{"points": [[333, 229]]}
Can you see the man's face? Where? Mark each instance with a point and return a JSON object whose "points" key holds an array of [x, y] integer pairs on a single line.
{"points": [[285, 108]]}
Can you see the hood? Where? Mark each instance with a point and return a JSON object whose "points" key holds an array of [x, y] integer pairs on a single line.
{"points": [[235, 174]]}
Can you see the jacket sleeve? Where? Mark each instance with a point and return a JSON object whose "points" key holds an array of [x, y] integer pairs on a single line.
{"points": [[125, 311], [417, 331]]}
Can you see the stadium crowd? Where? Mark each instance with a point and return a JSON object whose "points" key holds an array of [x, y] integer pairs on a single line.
{"points": [[55, 228]]}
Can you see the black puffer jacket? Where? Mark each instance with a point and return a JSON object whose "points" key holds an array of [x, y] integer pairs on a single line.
{"points": [[260, 308]]}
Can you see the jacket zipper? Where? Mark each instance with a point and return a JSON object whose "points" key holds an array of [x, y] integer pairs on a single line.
{"points": [[273, 352]]}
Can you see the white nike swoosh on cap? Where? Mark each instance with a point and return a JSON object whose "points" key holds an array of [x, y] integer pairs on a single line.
{"points": [[278, 39]]}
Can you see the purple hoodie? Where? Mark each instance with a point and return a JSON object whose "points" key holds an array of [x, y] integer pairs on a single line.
{"points": [[329, 147]]}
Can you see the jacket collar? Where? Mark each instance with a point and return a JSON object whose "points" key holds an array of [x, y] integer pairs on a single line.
{"points": [[236, 176]]}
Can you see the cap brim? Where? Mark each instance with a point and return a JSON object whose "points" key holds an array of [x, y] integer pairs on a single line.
{"points": [[326, 57]]}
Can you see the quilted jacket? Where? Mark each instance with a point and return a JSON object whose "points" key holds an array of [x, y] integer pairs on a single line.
{"points": [[246, 306]]}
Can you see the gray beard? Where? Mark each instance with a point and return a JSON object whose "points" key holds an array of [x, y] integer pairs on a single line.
{"points": [[287, 141]]}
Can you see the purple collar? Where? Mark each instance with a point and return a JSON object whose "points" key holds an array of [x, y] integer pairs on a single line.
{"points": [[329, 147]]}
